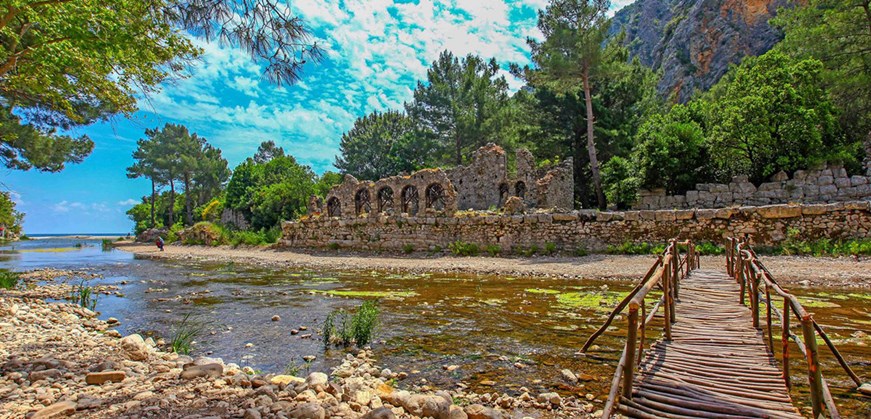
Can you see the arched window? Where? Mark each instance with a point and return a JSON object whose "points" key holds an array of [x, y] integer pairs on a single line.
{"points": [[520, 189], [410, 200], [504, 193], [334, 207], [361, 202], [435, 196], [385, 199]]}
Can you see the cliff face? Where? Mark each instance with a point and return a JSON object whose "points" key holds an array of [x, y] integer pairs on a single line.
{"points": [[692, 42]]}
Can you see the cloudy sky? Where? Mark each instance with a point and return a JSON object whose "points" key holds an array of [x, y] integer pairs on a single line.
{"points": [[376, 52]]}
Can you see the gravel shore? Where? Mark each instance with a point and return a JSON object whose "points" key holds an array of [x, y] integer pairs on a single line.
{"points": [[788, 270], [60, 360]]}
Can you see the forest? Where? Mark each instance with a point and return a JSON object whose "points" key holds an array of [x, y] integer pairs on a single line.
{"points": [[803, 104]]}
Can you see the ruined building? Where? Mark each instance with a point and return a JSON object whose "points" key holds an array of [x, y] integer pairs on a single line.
{"points": [[482, 184]]}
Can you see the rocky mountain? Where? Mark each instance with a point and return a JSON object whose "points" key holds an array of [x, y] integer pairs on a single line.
{"points": [[693, 42]]}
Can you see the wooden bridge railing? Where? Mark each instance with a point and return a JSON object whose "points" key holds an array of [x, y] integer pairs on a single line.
{"points": [[665, 274], [757, 284]]}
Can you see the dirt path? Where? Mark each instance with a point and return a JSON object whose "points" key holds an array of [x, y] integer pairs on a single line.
{"points": [[789, 270]]}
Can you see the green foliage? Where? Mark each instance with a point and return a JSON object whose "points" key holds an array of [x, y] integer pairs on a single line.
{"points": [[84, 296], [458, 108], [620, 183], [333, 246], [407, 248], [709, 249], [549, 248], [377, 146], [9, 216], [671, 152], [493, 250], [184, 333], [528, 251], [343, 328], [461, 248], [580, 251], [632, 248], [796, 245], [294, 368], [8, 279], [107, 244]]}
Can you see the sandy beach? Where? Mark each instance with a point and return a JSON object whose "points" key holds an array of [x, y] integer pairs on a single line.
{"points": [[789, 270]]}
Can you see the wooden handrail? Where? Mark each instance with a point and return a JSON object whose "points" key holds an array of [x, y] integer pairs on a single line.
{"points": [[667, 272], [744, 265]]}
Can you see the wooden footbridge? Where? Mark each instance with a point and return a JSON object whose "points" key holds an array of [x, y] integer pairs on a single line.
{"points": [[714, 359]]}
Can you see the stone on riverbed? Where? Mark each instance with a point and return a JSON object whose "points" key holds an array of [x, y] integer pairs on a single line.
{"points": [[135, 347], [865, 389], [286, 380], [380, 413], [195, 371], [44, 374], [477, 411], [100, 378], [57, 410], [316, 379], [569, 376], [276, 318], [308, 411]]}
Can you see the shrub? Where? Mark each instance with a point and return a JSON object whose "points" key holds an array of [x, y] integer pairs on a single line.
{"points": [[8, 279], [343, 328], [461, 248], [333, 246], [549, 248], [407, 248], [84, 296], [493, 250], [708, 248], [581, 251], [106, 244]]}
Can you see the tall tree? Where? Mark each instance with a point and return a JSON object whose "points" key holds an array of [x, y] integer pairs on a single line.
{"points": [[375, 147], [267, 151], [70, 63], [145, 156], [575, 32], [457, 105]]}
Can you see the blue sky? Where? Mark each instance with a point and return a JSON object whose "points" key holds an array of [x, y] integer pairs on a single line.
{"points": [[376, 52]]}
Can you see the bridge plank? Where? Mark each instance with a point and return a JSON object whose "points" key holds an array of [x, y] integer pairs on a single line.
{"points": [[717, 364]]}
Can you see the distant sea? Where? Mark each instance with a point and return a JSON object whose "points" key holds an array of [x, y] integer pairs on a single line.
{"points": [[36, 236]]}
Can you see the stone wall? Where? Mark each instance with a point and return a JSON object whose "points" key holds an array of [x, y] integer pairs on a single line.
{"points": [[830, 184], [234, 218], [589, 229]]}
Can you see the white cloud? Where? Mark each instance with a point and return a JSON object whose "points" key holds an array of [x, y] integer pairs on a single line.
{"points": [[128, 202], [63, 207]]}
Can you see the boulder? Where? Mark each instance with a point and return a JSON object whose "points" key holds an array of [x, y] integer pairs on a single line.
{"points": [[477, 411], [552, 398], [427, 405], [135, 347], [286, 380], [99, 378], [44, 375], [308, 411], [195, 371], [569, 376], [316, 379], [57, 410]]}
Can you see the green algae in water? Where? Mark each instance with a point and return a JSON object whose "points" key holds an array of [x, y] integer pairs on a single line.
{"points": [[860, 296], [546, 291], [390, 295], [493, 302], [602, 301], [51, 250], [816, 303]]}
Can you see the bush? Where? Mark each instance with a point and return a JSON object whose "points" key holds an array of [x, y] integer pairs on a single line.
{"points": [[8, 279], [407, 249], [581, 251], [333, 246], [106, 244], [708, 248], [549, 248], [461, 248], [343, 328], [493, 250]]}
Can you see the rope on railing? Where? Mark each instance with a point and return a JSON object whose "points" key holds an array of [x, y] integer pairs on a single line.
{"points": [[666, 273]]}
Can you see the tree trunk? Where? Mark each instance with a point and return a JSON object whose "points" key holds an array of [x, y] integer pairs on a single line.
{"points": [[188, 216], [153, 192], [591, 142], [171, 203]]}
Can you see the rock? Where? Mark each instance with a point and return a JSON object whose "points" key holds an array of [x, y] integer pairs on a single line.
{"points": [[103, 366], [286, 380], [450, 368], [477, 411], [251, 414], [57, 410], [86, 402], [294, 332], [316, 379], [552, 398], [569, 376], [111, 321], [135, 347], [112, 333], [514, 205], [865, 389], [145, 395], [208, 370], [426, 405], [309, 358], [380, 413], [276, 318], [44, 375], [99, 378], [456, 412], [249, 345], [308, 411]]}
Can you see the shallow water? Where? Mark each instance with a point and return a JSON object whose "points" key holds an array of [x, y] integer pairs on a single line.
{"points": [[502, 333]]}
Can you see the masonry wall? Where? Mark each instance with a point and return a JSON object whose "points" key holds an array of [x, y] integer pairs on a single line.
{"points": [[590, 229], [830, 184]]}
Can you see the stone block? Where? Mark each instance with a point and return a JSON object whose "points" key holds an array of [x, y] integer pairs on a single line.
{"points": [[632, 215], [779, 211], [780, 176], [667, 216], [828, 190], [719, 188], [814, 209], [684, 214], [858, 180], [842, 182], [724, 213], [825, 180], [705, 214]]}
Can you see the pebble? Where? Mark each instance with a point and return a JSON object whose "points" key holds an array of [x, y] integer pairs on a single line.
{"points": [[276, 318], [100, 378]]}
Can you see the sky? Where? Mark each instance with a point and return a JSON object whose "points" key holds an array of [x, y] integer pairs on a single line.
{"points": [[376, 51]]}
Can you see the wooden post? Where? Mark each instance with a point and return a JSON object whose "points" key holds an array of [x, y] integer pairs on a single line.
{"points": [[666, 294], [740, 274], [784, 341], [643, 324], [629, 366], [729, 261], [754, 301], [815, 377], [768, 318]]}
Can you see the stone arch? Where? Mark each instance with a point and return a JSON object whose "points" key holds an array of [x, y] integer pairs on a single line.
{"points": [[435, 196], [410, 200], [362, 204], [520, 189], [334, 207], [385, 199], [504, 193]]}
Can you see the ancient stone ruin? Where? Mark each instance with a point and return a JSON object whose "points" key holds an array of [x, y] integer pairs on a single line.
{"points": [[482, 184]]}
